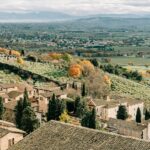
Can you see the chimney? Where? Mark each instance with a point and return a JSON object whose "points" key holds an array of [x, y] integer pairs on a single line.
{"points": [[107, 98]]}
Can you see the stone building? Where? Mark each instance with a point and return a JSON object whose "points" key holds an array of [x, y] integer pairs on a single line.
{"points": [[107, 108], [129, 128], [9, 135]]}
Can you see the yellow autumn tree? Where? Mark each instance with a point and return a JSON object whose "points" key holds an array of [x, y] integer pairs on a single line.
{"points": [[64, 117], [20, 61], [87, 67], [55, 56]]}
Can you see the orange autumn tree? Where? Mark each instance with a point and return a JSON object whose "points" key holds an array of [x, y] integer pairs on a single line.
{"points": [[107, 79], [15, 53], [75, 70], [4, 51]]}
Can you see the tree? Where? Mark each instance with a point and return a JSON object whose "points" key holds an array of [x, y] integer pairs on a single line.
{"points": [[89, 119], [26, 101], [122, 113], [75, 71], [51, 108], [138, 115], [29, 121], [1, 108], [92, 122], [76, 104], [55, 108], [20, 61], [22, 53], [83, 90], [96, 86], [147, 115], [95, 62], [64, 117], [85, 119], [18, 113], [81, 109]]}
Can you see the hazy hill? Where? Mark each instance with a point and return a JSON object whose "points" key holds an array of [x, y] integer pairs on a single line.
{"points": [[33, 16]]}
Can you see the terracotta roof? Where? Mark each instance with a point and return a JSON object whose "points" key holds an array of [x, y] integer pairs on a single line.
{"points": [[7, 85], [126, 124], [10, 105], [10, 127], [3, 132], [115, 101], [14, 94], [60, 136]]}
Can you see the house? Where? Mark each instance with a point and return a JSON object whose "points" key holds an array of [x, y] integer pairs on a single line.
{"points": [[5, 97], [129, 128], [60, 136], [108, 107], [7, 88], [9, 135], [42, 100], [9, 114]]}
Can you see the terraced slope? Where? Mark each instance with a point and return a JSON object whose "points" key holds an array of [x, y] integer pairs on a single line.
{"points": [[132, 89]]}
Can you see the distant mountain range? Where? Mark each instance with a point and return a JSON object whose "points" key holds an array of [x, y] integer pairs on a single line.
{"points": [[34, 16], [57, 16]]}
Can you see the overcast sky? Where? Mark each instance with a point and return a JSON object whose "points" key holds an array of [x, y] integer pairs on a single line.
{"points": [[77, 7]]}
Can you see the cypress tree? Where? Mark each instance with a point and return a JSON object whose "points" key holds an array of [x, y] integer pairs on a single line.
{"points": [[83, 90], [18, 113], [1, 108], [51, 108], [29, 121], [81, 109], [85, 122], [138, 116], [55, 108], [147, 115], [77, 104], [122, 113], [26, 101], [92, 122]]}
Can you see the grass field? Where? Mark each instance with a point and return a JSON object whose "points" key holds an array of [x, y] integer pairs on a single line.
{"points": [[126, 60]]}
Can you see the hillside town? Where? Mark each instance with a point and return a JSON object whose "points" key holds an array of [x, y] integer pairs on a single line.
{"points": [[39, 98], [75, 75]]}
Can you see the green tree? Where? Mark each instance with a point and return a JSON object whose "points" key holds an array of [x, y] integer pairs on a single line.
{"points": [[29, 121], [55, 108], [83, 92], [138, 116], [122, 113], [92, 122], [77, 104], [85, 121], [18, 113], [51, 108], [81, 109], [147, 115], [89, 119], [26, 101], [1, 108]]}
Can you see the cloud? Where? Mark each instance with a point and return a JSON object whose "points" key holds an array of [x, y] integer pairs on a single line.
{"points": [[78, 7]]}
